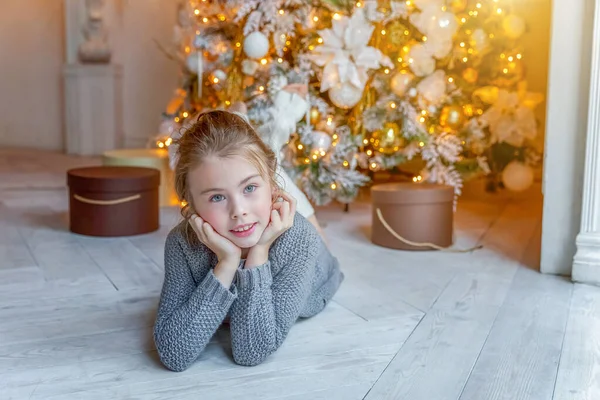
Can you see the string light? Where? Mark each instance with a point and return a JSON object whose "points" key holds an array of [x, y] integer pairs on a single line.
{"points": [[185, 114], [264, 61], [280, 60], [421, 144], [337, 16], [358, 4], [333, 186], [281, 12], [197, 12], [261, 88], [205, 20], [300, 147]]}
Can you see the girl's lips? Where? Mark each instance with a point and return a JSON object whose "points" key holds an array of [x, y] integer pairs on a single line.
{"points": [[244, 233]]}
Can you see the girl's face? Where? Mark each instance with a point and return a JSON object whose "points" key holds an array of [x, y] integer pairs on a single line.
{"points": [[230, 194]]}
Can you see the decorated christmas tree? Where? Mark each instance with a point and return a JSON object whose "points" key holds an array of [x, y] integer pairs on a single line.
{"points": [[433, 90]]}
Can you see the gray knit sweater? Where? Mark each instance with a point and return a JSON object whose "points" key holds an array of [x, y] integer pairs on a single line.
{"points": [[263, 303]]}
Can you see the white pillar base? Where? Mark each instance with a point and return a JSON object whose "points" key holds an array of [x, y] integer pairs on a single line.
{"points": [[586, 263], [93, 108]]}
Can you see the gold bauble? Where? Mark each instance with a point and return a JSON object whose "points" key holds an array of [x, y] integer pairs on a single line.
{"points": [[457, 6], [248, 80], [388, 140], [469, 110], [394, 34], [470, 75], [315, 116], [452, 117], [400, 82]]}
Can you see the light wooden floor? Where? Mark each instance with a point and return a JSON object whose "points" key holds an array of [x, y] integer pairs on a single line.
{"points": [[76, 312]]}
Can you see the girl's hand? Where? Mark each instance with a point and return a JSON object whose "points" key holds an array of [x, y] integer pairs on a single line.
{"points": [[221, 246], [282, 219]]}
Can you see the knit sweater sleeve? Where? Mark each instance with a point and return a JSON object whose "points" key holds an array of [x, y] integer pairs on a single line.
{"points": [[268, 305], [188, 313]]}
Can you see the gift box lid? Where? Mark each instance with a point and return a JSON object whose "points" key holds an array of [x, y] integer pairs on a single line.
{"points": [[411, 193], [113, 179]]}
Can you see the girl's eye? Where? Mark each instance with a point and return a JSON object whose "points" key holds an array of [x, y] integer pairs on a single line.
{"points": [[217, 197], [250, 188]]}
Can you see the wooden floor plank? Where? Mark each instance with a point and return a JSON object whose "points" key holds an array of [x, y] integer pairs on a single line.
{"points": [[123, 263], [446, 344], [521, 355], [579, 370]]}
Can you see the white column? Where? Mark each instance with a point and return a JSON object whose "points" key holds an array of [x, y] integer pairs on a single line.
{"points": [[586, 263], [93, 89]]}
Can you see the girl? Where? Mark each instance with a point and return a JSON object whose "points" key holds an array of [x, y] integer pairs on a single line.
{"points": [[242, 252]]}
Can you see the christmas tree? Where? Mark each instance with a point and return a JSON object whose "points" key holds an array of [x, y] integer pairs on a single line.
{"points": [[431, 89]]}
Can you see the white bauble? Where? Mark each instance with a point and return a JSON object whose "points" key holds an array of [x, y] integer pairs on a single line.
{"points": [[345, 95], [479, 40], [256, 45], [517, 176], [433, 88], [514, 26], [320, 141], [191, 62], [400, 82], [220, 75]]}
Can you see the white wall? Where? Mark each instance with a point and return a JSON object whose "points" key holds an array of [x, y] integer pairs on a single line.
{"points": [[150, 78], [568, 89], [32, 52]]}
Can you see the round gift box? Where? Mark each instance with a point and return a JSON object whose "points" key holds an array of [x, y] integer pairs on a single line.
{"points": [[113, 201], [150, 158], [417, 212]]}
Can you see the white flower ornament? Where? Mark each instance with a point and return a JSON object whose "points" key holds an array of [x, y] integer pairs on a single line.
{"points": [[345, 53]]}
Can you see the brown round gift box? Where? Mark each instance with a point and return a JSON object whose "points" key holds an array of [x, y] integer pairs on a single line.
{"points": [[418, 212], [113, 201]]}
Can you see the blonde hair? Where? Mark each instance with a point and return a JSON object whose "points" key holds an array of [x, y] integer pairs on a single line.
{"points": [[219, 133]]}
